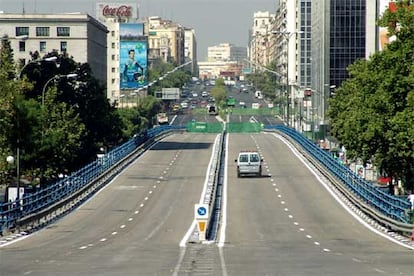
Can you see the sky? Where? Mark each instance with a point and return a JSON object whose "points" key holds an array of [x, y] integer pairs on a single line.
{"points": [[214, 21]]}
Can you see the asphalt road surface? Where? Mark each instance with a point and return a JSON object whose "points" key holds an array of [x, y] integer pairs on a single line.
{"points": [[285, 222]]}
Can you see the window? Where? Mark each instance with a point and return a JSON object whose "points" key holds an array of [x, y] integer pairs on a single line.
{"points": [[113, 69], [22, 62], [63, 31], [244, 158], [112, 33], [113, 57], [42, 46], [42, 31], [113, 45], [22, 31], [22, 46], [63, 46], [254, 158]]}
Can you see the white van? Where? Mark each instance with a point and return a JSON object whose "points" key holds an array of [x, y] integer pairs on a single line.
{"points": [[249, 162]]}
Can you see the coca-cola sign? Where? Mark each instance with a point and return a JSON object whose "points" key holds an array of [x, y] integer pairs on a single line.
{"points": [[117, 11]]}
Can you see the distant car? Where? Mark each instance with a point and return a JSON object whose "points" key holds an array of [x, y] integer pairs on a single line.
{"points": [[162, 118], [204, 94], [212, 110], [176, 108], [231, 102], [255, 105], [195, 95]]}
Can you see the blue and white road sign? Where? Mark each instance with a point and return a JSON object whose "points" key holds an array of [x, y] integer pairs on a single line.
{"points": [[201, 211]]}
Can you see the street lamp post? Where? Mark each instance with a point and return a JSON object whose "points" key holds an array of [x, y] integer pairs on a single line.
{"points": [[48, 59], [10, 160], [287, 35], [68, 76]]}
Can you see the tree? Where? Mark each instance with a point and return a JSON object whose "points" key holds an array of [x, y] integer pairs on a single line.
{"points": [[267, 82], [14, 120], [372, 112], [148, 108], [62, 134], [6, 100], [218, 92], [159, 68]]}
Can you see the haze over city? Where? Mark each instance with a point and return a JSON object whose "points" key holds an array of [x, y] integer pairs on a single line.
{"points": [[214, 21]]}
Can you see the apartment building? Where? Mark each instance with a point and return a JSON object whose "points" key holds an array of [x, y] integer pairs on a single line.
{"points": [[190, 49], [166, 40], [219, 68], [79, 35], [223, 60], [226, 52], [260, 44]]}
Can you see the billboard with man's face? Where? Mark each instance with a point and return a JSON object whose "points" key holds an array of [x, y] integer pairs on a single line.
{"points": [[133, 56]]}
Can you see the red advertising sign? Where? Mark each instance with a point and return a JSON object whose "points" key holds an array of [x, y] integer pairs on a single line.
{"points": [[117, 11]]}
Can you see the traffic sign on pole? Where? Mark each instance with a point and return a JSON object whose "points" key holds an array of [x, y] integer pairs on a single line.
{"points": [[201, 213]]}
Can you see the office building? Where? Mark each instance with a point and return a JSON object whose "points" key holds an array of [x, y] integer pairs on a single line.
{"points": [[79, 35]]}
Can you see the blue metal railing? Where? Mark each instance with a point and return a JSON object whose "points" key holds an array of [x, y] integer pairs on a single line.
{"points": [[391, 206]]}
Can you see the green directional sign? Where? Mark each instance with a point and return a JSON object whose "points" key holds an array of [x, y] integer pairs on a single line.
{"points": [[247, 70]]}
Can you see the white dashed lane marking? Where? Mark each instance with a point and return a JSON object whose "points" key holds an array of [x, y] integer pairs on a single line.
{"points": [[290, 216]]}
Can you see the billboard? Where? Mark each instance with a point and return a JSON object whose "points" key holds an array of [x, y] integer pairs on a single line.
{"points": [[170, 93], [105, 11], [133, 56]]}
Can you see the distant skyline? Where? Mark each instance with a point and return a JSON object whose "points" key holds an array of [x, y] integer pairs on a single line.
{"points": [[214, 21]]}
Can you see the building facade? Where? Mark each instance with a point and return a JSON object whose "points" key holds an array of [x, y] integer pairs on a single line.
{"points": [[190, 50], [260, 45], [226, 52], [112, 16], [79, 35], [338, 39], [219, 68], [224, 60], [166, 40]]}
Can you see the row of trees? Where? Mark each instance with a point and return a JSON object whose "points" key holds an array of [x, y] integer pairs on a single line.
{"points": [[59, 124], [372, 113]]}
